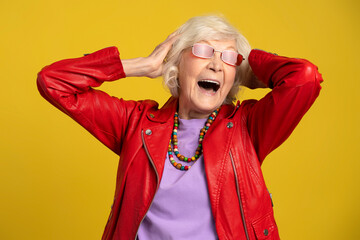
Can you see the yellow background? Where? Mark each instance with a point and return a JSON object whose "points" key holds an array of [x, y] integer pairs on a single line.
{"points": [[57, 182]]}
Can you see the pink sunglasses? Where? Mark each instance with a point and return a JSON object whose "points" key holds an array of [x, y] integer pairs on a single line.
{"points": [[227, 56]]}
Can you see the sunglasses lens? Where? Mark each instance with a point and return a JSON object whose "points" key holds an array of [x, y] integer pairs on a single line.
{"points": [[231, 57], [205, 51], [202, 50]]}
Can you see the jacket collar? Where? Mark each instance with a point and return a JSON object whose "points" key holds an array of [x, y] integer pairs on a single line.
{"points": [[166, 113]]}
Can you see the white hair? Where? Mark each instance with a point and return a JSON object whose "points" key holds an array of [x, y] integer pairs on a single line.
{"points": [[206, 28]]}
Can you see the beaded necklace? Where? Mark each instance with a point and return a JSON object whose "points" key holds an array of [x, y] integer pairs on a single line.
{"points": [[198, 151]]}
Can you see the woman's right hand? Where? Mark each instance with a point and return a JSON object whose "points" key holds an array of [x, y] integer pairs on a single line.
{"points": [[151, 66]]}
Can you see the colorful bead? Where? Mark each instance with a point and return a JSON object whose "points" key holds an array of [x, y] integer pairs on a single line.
{"points": [[198, 151]]}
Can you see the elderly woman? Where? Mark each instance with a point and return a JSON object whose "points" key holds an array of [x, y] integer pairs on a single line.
{"points": [[191, 169]]}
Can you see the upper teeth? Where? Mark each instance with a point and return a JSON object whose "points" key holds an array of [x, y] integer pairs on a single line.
{"points": [[210, 81]]}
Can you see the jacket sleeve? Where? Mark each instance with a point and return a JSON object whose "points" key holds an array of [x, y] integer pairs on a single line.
{"points": [[68, 85], [295, 85]]}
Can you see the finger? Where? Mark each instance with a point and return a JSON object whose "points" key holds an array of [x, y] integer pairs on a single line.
{"points": [[172, 38], [165, 46], [172, 35], [168, 43]]}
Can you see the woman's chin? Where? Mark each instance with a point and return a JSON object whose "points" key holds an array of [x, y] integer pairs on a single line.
{"points": [[201, 105], [210, 103], [206, 108]]}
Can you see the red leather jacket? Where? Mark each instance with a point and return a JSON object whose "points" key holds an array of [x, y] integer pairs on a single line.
{"points": [[234, 147]]}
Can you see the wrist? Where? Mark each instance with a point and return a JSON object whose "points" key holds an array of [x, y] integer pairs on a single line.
{"points": [[136, 67]]}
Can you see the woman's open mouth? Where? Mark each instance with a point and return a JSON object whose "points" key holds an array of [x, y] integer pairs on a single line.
{"points": [[209, 85]]}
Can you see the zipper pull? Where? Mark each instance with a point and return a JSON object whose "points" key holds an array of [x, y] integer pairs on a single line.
{"points": [[272, 204]]}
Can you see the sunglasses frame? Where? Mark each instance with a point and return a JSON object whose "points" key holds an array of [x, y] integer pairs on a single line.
{"points": [[240, 57]]}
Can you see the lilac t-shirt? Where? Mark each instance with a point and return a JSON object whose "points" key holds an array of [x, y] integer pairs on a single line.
{"points": [[181, 208]]}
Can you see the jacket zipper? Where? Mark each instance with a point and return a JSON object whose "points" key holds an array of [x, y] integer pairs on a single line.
{"points": [[157, 179], [239, 197]]}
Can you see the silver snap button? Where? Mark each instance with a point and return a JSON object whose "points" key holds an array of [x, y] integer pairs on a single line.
{"points": [[229, 125], [266, 232], [151, 115], [148, 132]]}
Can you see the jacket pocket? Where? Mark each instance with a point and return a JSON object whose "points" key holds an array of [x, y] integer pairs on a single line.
{"points": [[265, 228]]}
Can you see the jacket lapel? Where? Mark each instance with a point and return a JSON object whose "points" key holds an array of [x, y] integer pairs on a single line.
{"points": [[156, 132], [216, 148]]}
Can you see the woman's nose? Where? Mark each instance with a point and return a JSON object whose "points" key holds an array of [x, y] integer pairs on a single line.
{"points": [[216, 64]]}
